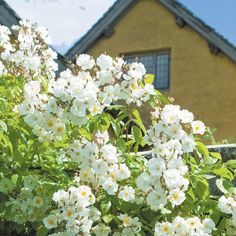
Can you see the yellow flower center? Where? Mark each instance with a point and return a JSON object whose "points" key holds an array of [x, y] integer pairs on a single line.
{"points": [[69, 213], [126, 220], [166, 228], [85, 174], [59, 129], [95, 109], [133, 86], [50, 123], [50, 221], [113, 175], [175, 196]]}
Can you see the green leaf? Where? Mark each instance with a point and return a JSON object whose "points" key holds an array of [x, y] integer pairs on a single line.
{"points": [[224, 172], [138, 120], [3, 126], [107, 218], [202, 149], [42, 231], [14, 178], [216, 155], [231, 164], [85, 133], [201, 187], [225, 186], [105, 207], [137, 134], [105, 122], [149, 78]]}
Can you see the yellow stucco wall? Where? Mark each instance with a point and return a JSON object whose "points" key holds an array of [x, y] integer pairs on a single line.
{"points": [[200, 81]]}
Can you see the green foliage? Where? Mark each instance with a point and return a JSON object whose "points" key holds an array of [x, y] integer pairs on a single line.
{"points": [[22, 155]]}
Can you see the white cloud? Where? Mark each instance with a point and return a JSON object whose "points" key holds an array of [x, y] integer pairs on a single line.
{"points": [[66, 20]]}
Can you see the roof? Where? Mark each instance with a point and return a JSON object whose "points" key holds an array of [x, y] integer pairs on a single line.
{"points": [[8, 17], [105, 27], [201, 27]]}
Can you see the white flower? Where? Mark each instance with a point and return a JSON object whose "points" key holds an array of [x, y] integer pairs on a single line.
{"points": [[50, 122], [110, 186], [99, 166], [102, 230], [156, 166], [61, 197], [186, 116], [188, 143], [208, 225], [69, 213], [94, 214], [113, 171], [194, 223], [177, 164], [96, 108], [198, 127], [50, 222], [180, 226], [109, 153], [102, 138], [225, 204], [85, 61], [32, 88], [59, 129], [86, 174], [126, 220], [86, 225], [72, 228], [127, 194], [124, 172], [164, 229], [104, 61], [170, 114], [173, 178], [84, 193], [38, 201], [2, 69], [144, 182], [176, 197], [104, 76], [137, 70], [174, 130], [156, 199], [52, 106]]}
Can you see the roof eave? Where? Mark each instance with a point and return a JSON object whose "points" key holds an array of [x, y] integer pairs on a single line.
{"points": [[8, 16], [209, 34], [107, 21]]}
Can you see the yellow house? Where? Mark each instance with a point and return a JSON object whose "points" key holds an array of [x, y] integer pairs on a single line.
{"points": [[191, 62]]}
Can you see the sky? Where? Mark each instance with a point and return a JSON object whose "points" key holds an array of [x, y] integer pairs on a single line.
{"points": [[219, 14], [68, 20]]}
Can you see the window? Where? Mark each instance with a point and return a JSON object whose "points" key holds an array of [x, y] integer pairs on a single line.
{"points": [[157, 64]]}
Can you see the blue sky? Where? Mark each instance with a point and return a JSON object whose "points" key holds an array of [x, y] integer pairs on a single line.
{"points": [[66, 20], [219, 14], [69, 20]]}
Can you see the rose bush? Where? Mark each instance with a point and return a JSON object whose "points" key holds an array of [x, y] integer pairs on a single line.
{"points": [[69, 166]]}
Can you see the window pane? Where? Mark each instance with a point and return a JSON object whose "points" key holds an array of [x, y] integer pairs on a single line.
{"points": [[157, 64], [162, 71]]}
